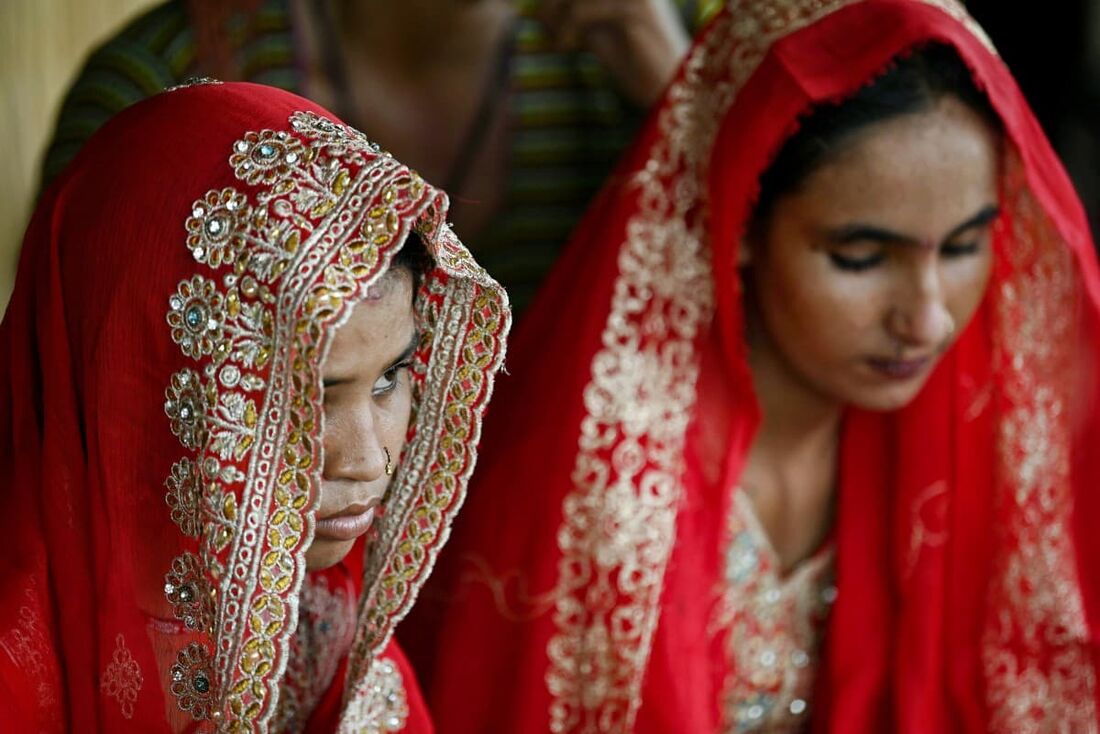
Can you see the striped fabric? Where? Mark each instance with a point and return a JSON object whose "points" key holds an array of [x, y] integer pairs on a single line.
{"points": [[568, 123]]}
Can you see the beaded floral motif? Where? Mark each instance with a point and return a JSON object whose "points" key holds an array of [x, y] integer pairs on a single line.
{"points": [[192, 681], [285, 262], [772, 627], [189, 593], [266, 157], [197, 317], [218, 227], [187, 401], [122, 678], [183, 496]]}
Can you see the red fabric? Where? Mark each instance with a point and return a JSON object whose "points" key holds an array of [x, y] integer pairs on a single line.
{"points": [[932, 623], [87, 636]]}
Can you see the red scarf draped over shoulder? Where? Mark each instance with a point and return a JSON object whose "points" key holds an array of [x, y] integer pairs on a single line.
{"points": [[161, 414], [577, 589]]}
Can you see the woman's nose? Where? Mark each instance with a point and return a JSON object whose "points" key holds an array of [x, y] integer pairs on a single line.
{"points": [[353, 450], [920, 316]]}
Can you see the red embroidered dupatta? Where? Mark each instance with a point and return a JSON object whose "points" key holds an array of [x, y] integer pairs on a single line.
{"points": [[161, 421], [578, 590]]}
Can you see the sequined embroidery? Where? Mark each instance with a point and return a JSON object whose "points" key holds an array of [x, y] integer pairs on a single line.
{"points": [[192, 681], [326, 626], [122, 678], [772, 627], [183, 497], [189, 593], [381, 705]]}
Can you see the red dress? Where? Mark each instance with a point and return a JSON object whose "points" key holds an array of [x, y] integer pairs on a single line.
{"points": [[579, 591], [161, 424]]}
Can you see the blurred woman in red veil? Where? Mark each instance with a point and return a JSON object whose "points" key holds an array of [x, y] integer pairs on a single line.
{"points": [[243, 374], [798, 433]]}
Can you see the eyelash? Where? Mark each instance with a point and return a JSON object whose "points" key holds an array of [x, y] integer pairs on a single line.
{"points": [[960, 250], [859, 264], [856, 264], [391, 376]]}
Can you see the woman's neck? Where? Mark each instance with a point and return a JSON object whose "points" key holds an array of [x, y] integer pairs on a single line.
{"points": [[798, 422], [790, 472]]}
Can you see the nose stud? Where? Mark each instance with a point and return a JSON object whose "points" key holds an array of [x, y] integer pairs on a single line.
{"points": [[948, 337], [950, 328], [389, 462]]}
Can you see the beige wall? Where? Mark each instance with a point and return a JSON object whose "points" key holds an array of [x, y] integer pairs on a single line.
{"points": [[42, 45]]}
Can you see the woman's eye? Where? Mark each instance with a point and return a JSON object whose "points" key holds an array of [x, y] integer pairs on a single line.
{"points": [[389, 379], [960, 249], [856, 263]]}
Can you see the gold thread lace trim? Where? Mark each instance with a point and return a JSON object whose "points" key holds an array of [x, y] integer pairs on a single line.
{"points": [[1038, 669]]}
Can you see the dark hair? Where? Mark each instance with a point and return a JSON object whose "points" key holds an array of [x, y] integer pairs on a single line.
{"points": [[912, 83], [413, 257]]}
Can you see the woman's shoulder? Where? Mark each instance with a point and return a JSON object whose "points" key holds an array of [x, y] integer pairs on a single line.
{"points": [[148, 54]]}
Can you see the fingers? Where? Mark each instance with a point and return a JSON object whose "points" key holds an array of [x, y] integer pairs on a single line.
{"points": [[569, 21]]}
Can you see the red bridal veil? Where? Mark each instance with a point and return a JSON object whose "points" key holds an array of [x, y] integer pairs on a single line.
{"points": [[161, 424], [577, 594]]}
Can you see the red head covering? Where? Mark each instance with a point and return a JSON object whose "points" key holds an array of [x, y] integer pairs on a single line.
{"points": [[178, 291], [581, 582]]}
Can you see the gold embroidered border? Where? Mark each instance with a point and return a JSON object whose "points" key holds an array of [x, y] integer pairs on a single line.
{"points": [[283, 268], [619, 518], [466, 318], [1039, 674]]}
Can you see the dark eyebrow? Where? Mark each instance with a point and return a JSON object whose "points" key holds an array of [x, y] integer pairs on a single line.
{"points": [[982, 218], [865, 232], [405, 355], [408, 351]]}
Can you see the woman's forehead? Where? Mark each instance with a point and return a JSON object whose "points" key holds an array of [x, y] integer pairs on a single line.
{"points": [[923, 172]]}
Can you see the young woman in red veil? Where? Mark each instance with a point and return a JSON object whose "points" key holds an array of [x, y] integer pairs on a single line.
{"points": [[799, 433], [243, 374]]}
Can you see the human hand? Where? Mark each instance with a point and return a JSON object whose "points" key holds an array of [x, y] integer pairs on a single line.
{"points": [[640, 42]]}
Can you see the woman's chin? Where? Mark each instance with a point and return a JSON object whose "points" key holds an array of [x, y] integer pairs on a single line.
{"points": [[325, 553], [886, 398]]}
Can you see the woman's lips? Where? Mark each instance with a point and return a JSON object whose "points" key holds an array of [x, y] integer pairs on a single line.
{"points": [[899, 369], [348, 525]]}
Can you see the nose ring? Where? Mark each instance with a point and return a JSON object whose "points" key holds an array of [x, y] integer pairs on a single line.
{"points": [[389, 462]]}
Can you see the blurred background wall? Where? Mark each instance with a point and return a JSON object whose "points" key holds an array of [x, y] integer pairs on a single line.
{"points": [[42, 45], [1054, 51]]}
